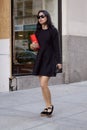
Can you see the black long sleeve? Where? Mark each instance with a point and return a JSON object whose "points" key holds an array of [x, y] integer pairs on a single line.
{"points": [[56, 46]]}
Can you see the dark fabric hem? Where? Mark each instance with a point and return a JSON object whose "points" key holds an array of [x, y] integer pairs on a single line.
{"points": [[44, 75]]}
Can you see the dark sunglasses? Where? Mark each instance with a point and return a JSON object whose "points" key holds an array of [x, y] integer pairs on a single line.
{"points": [[41, 16]]}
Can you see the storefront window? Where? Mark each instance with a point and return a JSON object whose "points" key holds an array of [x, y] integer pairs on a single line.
{"points": [[24, 24]]}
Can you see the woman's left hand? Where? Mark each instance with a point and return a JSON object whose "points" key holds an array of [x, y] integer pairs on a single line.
{"points": [[59, 66]]}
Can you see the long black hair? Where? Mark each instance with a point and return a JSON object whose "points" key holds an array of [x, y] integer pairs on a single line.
{"points": [[48, 22]]}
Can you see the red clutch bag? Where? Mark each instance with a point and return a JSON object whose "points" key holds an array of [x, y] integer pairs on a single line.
{"points": [[34, 39]]}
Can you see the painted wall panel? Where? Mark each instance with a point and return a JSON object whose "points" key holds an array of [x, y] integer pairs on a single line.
{"points": [[5, 18], [5, 67], [4, 46]]}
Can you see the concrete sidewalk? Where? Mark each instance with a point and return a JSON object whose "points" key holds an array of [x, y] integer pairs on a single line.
{"points": [[20, 110]]}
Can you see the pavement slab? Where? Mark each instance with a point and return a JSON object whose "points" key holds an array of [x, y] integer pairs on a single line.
{"points": [[20, 110]]}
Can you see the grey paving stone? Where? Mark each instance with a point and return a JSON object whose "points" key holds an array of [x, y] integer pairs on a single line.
{"points": [[20, 110]]}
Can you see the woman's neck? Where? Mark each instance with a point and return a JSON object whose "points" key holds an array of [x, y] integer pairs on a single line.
{"points": [[44, 27]]}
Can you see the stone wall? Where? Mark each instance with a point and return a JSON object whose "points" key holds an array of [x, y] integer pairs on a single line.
{"points": [[75, 63]]}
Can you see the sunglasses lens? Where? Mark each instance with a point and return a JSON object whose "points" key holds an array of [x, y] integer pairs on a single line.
{"points": [[41, 16]]}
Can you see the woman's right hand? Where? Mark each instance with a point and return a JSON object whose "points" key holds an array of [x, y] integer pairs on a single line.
{"points": [[33, 46]]}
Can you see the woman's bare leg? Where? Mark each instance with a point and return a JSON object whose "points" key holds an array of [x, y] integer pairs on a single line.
{"points": [[45, 90]]}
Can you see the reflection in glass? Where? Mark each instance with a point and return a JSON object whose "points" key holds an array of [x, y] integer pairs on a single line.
{"points": [[19, 8]]}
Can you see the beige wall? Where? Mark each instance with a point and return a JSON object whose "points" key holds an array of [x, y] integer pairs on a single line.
{"points": [[77, 17], [74, 17], [5, 19]]}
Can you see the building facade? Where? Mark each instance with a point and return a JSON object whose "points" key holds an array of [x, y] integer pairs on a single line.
{"points": [[18, 21]]}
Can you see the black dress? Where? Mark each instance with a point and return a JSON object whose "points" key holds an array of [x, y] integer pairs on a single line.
{"points": [[49, 53]]}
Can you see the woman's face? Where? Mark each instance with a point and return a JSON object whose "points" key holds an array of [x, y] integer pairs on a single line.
{"points": [[42, 18]]}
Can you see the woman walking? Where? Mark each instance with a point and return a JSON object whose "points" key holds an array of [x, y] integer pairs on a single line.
{"points": [[48, 56]]}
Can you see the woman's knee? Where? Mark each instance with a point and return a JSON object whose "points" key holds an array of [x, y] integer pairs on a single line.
{"points": [[44, 81], [43, 85]]}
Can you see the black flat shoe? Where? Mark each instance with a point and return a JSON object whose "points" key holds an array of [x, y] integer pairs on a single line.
{"points": [[44, 112], [50, 110], [47, 111]]}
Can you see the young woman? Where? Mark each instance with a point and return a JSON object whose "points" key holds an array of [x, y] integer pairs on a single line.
{"points": [[48, 57]]}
